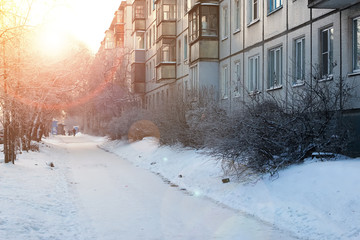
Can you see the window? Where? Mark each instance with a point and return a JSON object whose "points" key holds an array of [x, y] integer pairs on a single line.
{"points": [[154, 40], [208, 16], [150, 71], [166, 11], [138, 10], [139, 40], [147, 40], [109, 43], [253, 10], [150, 36], [194, 25], [209, 21], [225, 83], [299, 61], [225, 22], [187, 5], [185, 46], [274, 4], [326, 66], [237, 15], [153, 5], [253, 76], [179, 10], [166, 53], [237, 79], [194, 78], [154, 69], [179, 52], [356, 45], [275, 68]]}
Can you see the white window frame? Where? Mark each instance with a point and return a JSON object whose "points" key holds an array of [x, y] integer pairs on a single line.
{"points": [[356, 44], [274, 5], [237, 79], [253, 74], [253, 11], [299, 62], [275, 68], [194, 83], [237, 16], [185, 47], [178, 57], [327, 53], [225, 82], [224, 20]]}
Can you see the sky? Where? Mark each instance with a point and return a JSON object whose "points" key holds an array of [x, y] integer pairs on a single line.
{"points": [[83, 19]]}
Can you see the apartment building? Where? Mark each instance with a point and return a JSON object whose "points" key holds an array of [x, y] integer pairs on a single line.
{"points": [[241, 48]]}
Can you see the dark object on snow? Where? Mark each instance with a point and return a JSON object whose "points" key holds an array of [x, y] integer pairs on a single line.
{"points": [[322, 155], [180, 176], [226, 180], [51, 164], [153, 163]]}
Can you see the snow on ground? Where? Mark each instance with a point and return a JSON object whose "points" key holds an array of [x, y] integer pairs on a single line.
{"points": [[315, 200], [36, 201]]}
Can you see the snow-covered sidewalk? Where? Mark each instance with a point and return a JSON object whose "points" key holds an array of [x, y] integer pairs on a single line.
{"points": [[315, 200]]}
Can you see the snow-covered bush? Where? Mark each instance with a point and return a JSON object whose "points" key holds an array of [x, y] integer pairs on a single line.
{"points": [[271, 134], [119, 127]]}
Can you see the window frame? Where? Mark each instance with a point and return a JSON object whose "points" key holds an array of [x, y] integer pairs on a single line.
{"points": [[237, 16], [224, 22], [185, 47], [355, 45], [275, 65], [253, 74], [329, 52], [274, 5], [225, 82], [178, 55], [237, 79], [299, 62]]}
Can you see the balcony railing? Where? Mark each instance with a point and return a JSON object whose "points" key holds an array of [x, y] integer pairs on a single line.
{"points": [[331, 4]]}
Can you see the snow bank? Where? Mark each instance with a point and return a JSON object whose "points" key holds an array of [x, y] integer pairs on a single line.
{"points": [[315, 200]]}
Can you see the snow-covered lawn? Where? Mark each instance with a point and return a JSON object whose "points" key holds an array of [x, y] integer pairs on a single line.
{"points": [[315, 200]]}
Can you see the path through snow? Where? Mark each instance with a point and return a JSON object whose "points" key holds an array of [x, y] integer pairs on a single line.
{"points": [[123, 201]]}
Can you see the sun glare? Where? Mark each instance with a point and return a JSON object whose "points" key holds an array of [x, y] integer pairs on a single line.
{"points": [[64, 18], [52, 42]]}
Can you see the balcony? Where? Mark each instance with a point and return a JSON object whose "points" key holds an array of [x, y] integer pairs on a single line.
{"points": [[165, 59], [138, 77], [165, 71], [331, 4], [204, 49], [204, 32], [138, 56], [138, 16], [119, 28], [165, 18]]}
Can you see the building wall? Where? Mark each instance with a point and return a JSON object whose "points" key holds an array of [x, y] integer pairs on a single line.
{"points": [[281, 27]]}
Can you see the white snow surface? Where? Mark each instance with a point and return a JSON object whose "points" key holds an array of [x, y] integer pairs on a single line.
{"points": [[314, 200], [147, 191]]}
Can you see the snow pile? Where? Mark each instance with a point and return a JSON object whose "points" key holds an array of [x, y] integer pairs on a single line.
{"points": [[315, 200], [36, 201]]}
